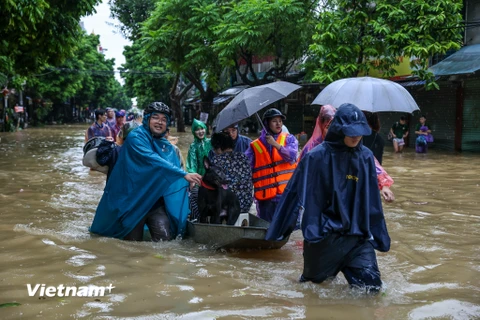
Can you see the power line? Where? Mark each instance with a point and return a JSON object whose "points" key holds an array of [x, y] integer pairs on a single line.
{"points": [[106, 72]]}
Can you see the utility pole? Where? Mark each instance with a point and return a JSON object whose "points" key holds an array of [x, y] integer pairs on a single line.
{"points": [[5, 105], [20, 101]]}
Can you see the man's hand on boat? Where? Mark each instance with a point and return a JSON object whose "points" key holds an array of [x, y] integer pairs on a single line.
{"points": [[193, 178]]}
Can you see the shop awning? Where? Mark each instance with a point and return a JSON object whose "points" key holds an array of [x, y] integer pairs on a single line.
{"points": [[414, 83], [466, 60]]}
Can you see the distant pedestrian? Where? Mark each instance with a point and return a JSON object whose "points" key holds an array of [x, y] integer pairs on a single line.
{"points": [[99, 128], [128, 127], [110, 117], [424, 136], [374, 141], [399, 132], [119, 122]]}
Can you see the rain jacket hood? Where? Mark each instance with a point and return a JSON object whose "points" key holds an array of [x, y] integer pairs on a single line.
{"points": [[147, 169], [146, 124], [197, 125], [198, 150], [325, 117], [348, 121], [334, 189]]}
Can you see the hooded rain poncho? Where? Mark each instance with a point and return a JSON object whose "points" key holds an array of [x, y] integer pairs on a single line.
{"points": [[335, 188], [147, 169], [198, 150]]}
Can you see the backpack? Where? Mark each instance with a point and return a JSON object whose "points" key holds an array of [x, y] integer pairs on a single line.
{"points": [[107, 155], [90, 154], [92, 143]]}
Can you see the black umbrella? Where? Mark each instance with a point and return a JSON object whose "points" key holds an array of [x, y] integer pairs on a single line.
{"points": [[252, 100]]}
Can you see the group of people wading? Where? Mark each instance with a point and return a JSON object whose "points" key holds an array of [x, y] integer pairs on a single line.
{"points": [[330, 190]]}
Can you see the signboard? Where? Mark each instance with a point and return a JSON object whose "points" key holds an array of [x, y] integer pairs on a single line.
{"points": [[18, 109], [204, 117]]}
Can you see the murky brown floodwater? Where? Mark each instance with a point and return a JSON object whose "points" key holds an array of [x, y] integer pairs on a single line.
{"points": [[48, 199]]}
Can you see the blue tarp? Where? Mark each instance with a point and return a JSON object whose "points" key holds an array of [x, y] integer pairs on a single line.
{"points": [[466, 60]]}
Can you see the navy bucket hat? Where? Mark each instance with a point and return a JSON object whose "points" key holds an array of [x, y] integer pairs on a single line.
{"points": [[350, 121]]}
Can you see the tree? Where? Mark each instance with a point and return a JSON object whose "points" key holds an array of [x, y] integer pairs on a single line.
{"points": [[86, 79], [131, 13], [145, 80], [180, 34], [280, 29], [34, 33], [356, 36]]}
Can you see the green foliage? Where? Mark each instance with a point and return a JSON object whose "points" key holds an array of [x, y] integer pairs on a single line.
{"points": [[10, 304], [87, 77], [131, 13], [144, 80], [355, 37], [281, 29], [34, 33], [180, 33]]}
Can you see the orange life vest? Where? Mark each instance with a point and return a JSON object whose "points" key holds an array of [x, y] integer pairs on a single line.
{"points": [[270, 174]]}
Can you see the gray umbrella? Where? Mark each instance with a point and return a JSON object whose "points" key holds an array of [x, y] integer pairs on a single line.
{"points": [[368, 94], [252, 100]]}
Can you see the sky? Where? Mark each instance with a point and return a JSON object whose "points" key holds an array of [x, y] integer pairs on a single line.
{"points": [[110, 38]]}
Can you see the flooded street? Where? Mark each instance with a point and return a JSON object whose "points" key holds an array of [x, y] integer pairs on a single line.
{"points": [[48, 200]]}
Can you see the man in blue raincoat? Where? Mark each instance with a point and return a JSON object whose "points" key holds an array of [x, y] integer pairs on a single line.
{"points": [[146, 186], [334, 195]]}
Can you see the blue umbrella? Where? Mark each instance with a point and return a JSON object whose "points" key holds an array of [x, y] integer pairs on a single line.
{"points": [[252, 100]]}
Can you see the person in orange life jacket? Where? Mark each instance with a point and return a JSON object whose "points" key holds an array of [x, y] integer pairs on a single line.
{"points": [[273, 159]]}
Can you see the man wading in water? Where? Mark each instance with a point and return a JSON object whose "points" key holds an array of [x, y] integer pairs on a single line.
{"points": [[146, 186]]}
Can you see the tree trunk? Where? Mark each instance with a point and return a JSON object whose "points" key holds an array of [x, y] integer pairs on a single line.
{"points": [[177, 111], [176, 97], [208, 107]]}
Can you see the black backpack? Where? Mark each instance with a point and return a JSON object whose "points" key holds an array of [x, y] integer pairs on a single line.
{"points": [[92, 143], [107, 155]]}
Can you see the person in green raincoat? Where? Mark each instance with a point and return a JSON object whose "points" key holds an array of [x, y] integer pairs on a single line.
{"points": [[198, 149]]}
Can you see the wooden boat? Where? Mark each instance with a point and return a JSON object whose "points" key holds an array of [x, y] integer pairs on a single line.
{"points": [[238, 237]]}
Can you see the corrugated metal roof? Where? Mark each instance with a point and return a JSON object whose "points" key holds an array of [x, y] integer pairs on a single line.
{"points": [[233, 91], [465, 60], [221, 99], [412, 83]]}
